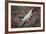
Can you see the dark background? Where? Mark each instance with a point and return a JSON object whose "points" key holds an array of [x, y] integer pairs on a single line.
{"points": [[21, 11]]}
